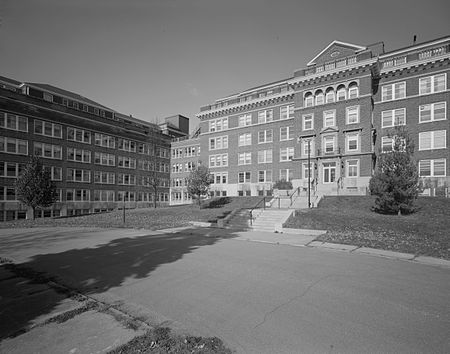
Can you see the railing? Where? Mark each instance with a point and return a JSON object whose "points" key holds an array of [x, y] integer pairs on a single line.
{"points": [[329, 152], [296, 191], [256, 207]]}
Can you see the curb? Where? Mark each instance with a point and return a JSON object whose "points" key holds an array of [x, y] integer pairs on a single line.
{"points": [[425, 260]]}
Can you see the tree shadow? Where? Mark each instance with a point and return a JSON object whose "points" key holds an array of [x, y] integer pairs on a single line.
{"points": [[93, 270]]}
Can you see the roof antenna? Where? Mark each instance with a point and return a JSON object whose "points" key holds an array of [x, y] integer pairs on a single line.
{"points": [[415, 39]]}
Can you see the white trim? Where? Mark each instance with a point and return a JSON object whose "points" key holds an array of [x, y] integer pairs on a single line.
{"points": [[354, 46], [409, 97], [253, 101], [330, 72], [414, 63], [410, 49]]}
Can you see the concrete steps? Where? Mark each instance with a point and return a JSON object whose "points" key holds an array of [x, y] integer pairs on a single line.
{"points": [[271, 219]]}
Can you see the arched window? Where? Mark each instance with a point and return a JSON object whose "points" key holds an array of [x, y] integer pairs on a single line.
{"points": [[353, 90], [309, 100], [319, 97], [341, 93], [329, 95]]}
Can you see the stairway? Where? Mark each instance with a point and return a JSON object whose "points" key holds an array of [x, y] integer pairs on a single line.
{"points": [[269, 219], [240, 220]]}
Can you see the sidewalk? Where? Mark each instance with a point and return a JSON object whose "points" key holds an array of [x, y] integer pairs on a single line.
{"points": [[36, 315], [305, 238]]}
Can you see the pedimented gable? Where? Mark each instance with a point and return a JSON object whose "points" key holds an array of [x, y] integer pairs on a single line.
{"points": [[335, 51]]}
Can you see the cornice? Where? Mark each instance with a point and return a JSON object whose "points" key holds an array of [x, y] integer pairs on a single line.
{"points": [[309, 77], [237, 107], [415, 63]]}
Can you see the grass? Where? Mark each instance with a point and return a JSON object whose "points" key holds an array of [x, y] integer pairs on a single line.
{"points": [[162, 341], [350, 220], [148, 218]]}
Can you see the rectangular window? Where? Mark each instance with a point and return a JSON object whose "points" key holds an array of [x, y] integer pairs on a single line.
{"points": [[265, 156], [329, 172], [308, 121], [105, 159], [432, 112], [393, 118], [78, 155], [287, 112], [103, 196], [219, 142], [245, 120], [432, 140], [105, 140], [78, 135], [13, 122], [393, 91], [307, 147], [286, 175], [126, 179], [55, 172], [329, 119], [126, 145], [265, 176], [220, 160], [352, 142], [352, 115], [352, 168], [77, 195], [48, 151], [432, 168], [219, 124], [307, 170], [244, 177], [286, 133], [265, 116], [329, 144], [433, 84], [245, 158], [77, 175], [245, 139], [126, 162], [265, 136], [286, 154], [101, 177], [13, 146]]}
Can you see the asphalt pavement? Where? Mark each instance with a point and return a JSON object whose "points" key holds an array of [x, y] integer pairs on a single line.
{"points": [[258, 292]]}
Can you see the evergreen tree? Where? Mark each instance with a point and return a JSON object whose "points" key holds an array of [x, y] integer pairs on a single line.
{"points": [[198, 182], [396, 179], [34, 186]]}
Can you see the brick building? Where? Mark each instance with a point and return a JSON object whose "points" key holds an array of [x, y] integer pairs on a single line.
{"points": [[99, 159], [341, 107]]}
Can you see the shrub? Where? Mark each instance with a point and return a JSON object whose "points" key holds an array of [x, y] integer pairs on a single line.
{"points": [[216, 203], [283, 185]]}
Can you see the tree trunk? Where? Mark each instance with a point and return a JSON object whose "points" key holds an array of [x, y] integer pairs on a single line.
{"points": [[34, 212]]}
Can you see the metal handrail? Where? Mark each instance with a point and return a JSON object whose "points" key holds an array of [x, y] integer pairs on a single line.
{"points": [[256, 206], [297, 190]]}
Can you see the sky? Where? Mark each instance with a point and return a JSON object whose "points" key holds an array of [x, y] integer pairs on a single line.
{"points": [[156, 58]]}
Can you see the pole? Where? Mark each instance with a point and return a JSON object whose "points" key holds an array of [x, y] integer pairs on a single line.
{"points": [[123, 196], [309, 173]]}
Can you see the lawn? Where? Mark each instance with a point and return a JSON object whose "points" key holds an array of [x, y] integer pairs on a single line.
{"points": [[147, 218], [350, 220]]}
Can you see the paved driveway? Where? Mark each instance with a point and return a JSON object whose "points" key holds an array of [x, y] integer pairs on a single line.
{"points": [[257, 297]]}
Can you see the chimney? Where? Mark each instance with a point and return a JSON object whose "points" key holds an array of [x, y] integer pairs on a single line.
{"points": [[415, 39]]}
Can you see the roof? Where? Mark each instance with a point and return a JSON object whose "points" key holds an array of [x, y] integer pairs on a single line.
{"points": [[67, 94], [10, 81], [348, 45], [416, 45]]}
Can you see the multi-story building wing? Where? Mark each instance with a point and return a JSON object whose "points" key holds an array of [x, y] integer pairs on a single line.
{"points": [[99, 159], [185, 157], [413, 93], [334, 118], [338, 113], [248, 139]]}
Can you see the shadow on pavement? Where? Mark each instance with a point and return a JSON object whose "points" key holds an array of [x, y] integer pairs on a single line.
{"points": [[94, 270]]}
